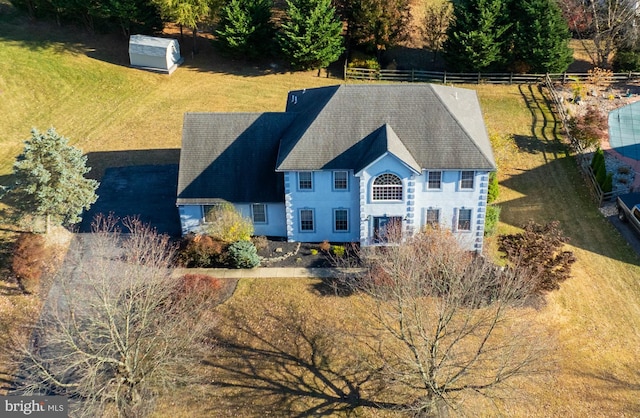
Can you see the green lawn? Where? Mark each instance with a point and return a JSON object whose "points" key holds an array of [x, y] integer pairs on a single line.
{"points": [[81, 85]]}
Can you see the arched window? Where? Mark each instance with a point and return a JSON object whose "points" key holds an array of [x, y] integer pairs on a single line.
{"points": [[387, 187]]}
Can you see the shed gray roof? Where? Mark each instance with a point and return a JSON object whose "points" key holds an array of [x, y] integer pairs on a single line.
{"points": [[439, 127], [231, 156], [149, 45]]}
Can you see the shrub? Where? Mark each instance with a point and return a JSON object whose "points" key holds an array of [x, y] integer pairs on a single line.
{"points": [[607, 186], [338, 250], [589, 128], [598, 158], [201, 251], [369, 63], [600, 76], [261, 242], [29, 261], [198, 285], [494, 191], [491, 220], [626, 60], [314, 251], [243, 255], [538, 252], [324, 246], [601, 175], [226, 224]]}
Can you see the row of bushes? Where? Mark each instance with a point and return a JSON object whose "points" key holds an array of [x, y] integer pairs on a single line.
{"points": [[205, 251], [599, 168]]}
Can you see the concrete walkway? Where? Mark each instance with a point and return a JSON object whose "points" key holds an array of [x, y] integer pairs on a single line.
{"points": [[273, 272]]}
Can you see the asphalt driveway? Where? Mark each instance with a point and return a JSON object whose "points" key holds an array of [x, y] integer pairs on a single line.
{"points": [[147, 191]]}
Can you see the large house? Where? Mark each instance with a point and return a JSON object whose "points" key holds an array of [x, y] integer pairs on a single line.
{"points": [[342, 163]]}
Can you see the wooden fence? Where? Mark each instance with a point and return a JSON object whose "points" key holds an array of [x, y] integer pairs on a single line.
{"points": [[582, 155], [473, 78]]}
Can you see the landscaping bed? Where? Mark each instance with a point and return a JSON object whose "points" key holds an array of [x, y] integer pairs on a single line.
{"points": [[298, 254]]}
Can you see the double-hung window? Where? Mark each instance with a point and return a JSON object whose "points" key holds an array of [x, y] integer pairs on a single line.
{"points": [[259, 213], [434, 181], [305, 180], [466, 179], [306, 220], [340, 180], [341, 220], [433, 217], [464, 220]]}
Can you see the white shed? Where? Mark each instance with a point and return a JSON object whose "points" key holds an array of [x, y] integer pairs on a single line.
{"points": [[154, 54]]}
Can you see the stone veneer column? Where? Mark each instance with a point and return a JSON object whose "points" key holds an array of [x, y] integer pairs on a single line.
{"points": [[288, 209]]}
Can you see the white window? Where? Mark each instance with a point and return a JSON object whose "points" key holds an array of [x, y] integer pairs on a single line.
{"points": [[466, 179], [341, 220], [464, 220], [387, 187], [340, 180], [434, 180], [433, 217], [259, 213], [305, 180], [306, 220]]}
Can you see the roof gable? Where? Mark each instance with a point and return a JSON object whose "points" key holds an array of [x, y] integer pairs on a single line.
{"points": [[438, 127], [385, 141]]}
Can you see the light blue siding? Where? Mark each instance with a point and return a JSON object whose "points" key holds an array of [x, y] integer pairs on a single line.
{"points": [[192, 219], [275, 226], [323, 200]]}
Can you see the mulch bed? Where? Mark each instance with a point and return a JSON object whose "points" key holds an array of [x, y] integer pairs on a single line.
{"points": [[294, 254]]}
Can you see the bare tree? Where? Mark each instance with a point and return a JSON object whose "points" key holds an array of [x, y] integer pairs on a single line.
{"points": [[608, 23], [448, 324], [117, 329], [437, 18]]}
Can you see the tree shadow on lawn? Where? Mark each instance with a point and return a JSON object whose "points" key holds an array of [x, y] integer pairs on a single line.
{"points": [[289, 364], [608, 388], [556, 191]]}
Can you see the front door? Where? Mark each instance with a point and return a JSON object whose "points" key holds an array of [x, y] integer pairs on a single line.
{"points": [[386, 227]]}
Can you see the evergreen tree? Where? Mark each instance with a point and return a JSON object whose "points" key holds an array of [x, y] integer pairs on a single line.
{"points": [[49, 179], [540, 37], [245, 28], [311, 35], [477, 36]]}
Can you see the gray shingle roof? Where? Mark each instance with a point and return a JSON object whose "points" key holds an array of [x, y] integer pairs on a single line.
{"points": [[239, 157], [440, 127], [231, 156]]}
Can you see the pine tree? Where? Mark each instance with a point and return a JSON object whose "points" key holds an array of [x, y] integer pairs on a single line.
{"points": [[540, 37], [311, 34], [245, 28], [477, 36], [49, 179]]}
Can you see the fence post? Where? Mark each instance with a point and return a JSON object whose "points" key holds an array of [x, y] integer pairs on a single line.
{"points": [[444, 78], [412, 76], [478, 77], [564, 77], [510, 78], [344, 76]]}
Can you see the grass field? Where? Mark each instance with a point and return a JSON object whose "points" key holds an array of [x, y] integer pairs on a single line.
{"points": [[81, 85]]}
